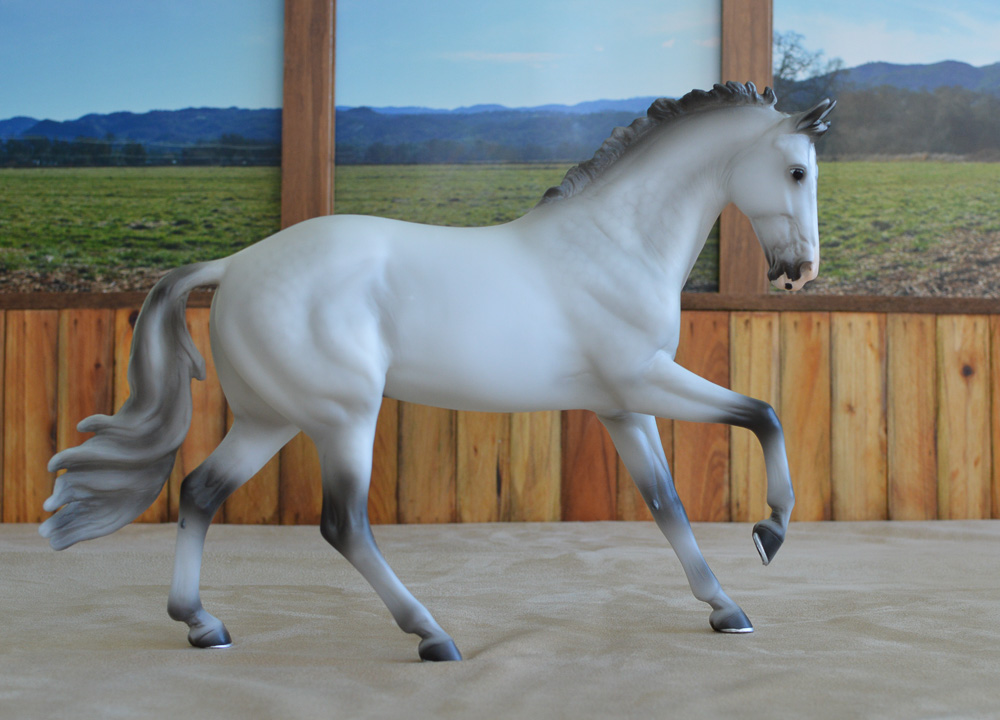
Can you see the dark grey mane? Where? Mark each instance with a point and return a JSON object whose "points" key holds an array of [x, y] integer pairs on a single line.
{"points": [[660, 113]]}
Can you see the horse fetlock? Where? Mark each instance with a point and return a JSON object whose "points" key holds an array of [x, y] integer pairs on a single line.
{"points": [[185, 610]]}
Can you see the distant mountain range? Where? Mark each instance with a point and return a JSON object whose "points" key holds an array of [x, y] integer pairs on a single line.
{"points": [[949, 73], [637, 106], [158, 127], [585, 124], [193, 125]]}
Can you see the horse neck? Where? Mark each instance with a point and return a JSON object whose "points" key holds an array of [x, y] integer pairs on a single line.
{"points": [[664, 196]]}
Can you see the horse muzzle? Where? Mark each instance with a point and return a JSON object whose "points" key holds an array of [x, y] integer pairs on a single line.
{"points": [[792, 276]]}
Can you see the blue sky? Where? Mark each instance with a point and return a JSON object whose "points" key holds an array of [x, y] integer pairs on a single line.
{"points": [[900, 31], [449, 53], [61, 59]]}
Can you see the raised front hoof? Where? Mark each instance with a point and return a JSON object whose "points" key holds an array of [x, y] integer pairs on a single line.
{"points": [[730, 620], [767, 536], [439, 651], [215, 637]]}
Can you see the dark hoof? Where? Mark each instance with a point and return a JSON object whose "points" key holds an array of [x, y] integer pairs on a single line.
{"points": [[439, 651], [730, 621], [210, 637], [767, 539]]}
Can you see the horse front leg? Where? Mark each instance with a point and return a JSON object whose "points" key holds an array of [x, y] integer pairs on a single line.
{"points": [[671, 391], [638, 443]]}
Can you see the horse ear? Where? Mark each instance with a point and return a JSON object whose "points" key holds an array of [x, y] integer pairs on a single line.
{"points": [[812, 122]]}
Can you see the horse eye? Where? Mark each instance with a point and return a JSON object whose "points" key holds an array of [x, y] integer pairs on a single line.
{"points": [[798, 174]]}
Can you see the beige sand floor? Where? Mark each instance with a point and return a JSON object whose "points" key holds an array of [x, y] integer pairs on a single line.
{"points": [[568, 620]]}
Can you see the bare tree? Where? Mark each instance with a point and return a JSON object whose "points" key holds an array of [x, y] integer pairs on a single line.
{"points": [[802, 77]]}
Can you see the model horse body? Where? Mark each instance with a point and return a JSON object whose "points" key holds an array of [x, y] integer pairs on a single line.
{"points": [[574, 305]]}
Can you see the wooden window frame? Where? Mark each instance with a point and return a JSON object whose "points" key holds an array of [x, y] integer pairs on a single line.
{"points": [[747, 30], [307, 172]]}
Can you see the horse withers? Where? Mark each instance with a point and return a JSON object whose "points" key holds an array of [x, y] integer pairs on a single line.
{"points": [[576, 304]]}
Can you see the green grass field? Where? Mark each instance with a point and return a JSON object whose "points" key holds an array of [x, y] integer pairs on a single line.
{"points": [[907, 223], [933, 227], [100, 222]]}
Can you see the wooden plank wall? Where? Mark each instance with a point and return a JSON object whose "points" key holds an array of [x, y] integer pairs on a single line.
{"points": [[887, 416]]}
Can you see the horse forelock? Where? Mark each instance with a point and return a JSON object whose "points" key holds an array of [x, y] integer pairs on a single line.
{"points": [[661, 113]]}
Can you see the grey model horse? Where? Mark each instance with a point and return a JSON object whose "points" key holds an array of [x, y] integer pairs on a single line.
{"points": [[574, 305]]}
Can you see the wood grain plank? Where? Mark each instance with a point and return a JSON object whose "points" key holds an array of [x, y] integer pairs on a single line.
{"points": [[427, 464], [995, 411], [911, 401], [859, 483], [307, 135], [3, 353], [30, 412], [86, 371], [964, 463], [754, 365], [589, 486], [383, 504], [535, 467], [701, 451], [483, 483], [805, 410], [300, 487]]}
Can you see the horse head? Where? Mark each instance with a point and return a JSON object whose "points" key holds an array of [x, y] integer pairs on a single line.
{"points": [[774, 183]]}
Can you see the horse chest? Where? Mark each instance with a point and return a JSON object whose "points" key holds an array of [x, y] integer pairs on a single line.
{"points": [[625, 309]]}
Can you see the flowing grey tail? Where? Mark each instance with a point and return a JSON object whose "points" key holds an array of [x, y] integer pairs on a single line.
{"points": [[113, 477]]}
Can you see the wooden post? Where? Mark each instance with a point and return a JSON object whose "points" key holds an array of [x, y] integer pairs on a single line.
{"points": [[307, 141], [746, 56], [307, 118]]}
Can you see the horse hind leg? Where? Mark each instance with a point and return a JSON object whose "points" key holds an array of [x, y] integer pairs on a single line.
{"points": [[345, 457], [247, 447]]}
